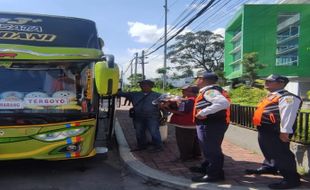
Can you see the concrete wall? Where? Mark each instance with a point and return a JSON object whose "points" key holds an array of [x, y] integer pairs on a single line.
{"points": [[249, 142]]}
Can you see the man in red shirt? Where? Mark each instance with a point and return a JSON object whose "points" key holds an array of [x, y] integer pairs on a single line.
{"points": [[185, 128]]}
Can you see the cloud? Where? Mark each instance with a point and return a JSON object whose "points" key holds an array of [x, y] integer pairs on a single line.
{"points": [[132, 51], [220, 31], [145, 33], [154, 62]]}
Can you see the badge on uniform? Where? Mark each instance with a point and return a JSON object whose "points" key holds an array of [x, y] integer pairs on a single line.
{"points": [[289, 100], [210, 93]]}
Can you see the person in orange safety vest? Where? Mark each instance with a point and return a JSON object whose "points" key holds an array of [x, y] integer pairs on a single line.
{"points": [[212, 118], [275, 119]]}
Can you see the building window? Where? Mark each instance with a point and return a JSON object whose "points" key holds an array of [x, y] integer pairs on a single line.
{"points": [[287, 39], [236, 67], [236, 44], [237, 56]]}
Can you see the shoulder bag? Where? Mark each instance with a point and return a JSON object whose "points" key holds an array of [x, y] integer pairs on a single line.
{"points": [[132, 111]]}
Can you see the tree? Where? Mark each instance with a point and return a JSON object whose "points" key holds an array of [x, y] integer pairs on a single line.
{"points": [[201, 50], [251, 67], [163, 71], [134, 79]]}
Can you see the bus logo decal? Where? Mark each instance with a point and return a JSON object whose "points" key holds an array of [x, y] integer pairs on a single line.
{"points": [[22, 28], [4, 35]]}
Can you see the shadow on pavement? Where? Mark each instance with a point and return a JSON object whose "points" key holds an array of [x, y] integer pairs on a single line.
{"points": [[237, 159]]}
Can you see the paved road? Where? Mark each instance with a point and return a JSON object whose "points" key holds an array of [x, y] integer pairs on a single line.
{"points": [[100, 172]]}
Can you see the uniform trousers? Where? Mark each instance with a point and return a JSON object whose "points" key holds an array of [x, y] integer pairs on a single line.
{"points": [[210, 138], [273, 148]]}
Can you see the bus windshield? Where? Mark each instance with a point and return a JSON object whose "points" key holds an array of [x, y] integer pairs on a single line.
{"points": [[47, 88]]}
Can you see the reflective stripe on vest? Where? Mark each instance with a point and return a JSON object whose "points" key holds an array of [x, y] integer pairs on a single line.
{"points": [[267, 111], [201, 102], [261, 110]]}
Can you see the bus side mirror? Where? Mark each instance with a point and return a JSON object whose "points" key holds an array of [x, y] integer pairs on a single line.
{"points": [[110, 60], [101, 43], [106, 78]]}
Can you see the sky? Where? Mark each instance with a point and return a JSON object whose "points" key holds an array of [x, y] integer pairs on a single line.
{"points": [[130, 26]]}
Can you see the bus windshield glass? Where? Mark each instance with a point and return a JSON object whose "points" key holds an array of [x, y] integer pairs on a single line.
{"points": [[47, 88]]}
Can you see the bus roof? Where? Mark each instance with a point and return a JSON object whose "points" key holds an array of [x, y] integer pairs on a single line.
{"points": [[47, 31]]}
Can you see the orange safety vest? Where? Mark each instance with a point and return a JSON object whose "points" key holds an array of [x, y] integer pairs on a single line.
{"points": [[201, 103], [264, 112], [267, 111]]}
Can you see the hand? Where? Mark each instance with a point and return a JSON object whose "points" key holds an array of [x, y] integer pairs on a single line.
{"points": [[284, 137], [198, 116], [162, 106], [163, 121]]}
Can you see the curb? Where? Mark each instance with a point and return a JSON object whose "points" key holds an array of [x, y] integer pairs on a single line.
{"points": [[164, 179]]}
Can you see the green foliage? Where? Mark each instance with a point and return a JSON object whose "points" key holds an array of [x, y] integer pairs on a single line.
{"points": [[251, 67], [247, 96], [175, 91], [157, 88], [301, 136], [163, 70], [134, 79], [200, 50]]}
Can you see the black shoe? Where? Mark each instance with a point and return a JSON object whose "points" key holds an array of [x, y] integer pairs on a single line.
{"points": [[209, 178], [262, 170], [197, 169], [284, 185]]}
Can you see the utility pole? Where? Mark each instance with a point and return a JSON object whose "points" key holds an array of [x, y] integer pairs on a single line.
{"points": [[131, 72], [142, 64], [131, 69], [165, 47], [136, 63], [121, 80]]}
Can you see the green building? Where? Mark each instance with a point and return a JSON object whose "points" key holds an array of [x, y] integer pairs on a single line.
{"points": [[279, 34]]}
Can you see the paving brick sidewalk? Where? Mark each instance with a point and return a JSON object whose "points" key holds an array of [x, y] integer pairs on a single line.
{"points": [[236, 159]]}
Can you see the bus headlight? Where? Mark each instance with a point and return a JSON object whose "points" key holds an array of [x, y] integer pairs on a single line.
{"points": [[60, 135]]}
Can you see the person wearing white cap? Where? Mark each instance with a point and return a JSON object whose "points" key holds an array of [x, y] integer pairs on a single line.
{"points": [[275, 119]]}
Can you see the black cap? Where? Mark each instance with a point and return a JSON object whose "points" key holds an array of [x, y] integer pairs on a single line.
{"points": [[277, 78], [148, 82], [208, 75]]}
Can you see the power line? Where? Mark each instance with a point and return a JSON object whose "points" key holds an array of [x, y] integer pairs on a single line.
{"points": [[217, 13], [203, 10], [212, 13], [161, 39], [130, 64], [171, 30], [222, 14]]}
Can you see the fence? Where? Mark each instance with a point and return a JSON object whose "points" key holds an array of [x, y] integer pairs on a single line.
{"points": [[242, 116]]}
